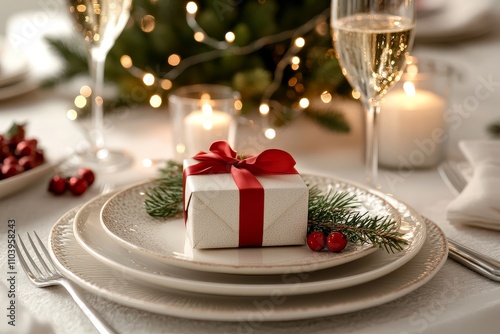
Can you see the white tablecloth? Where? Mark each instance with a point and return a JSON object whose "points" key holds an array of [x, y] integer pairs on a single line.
{"points": [[456, 300]]}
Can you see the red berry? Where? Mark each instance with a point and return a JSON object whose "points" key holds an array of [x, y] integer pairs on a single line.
{"points": [[77, 185], [316, 241], [27, 162], [26, 147], [10, 160], [57, 185], [39, 157], [9, 170], [336, 241], [86, 174]]}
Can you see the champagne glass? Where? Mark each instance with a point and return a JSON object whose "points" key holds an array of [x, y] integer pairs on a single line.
{"points": [[100, 22], [372, 40]]}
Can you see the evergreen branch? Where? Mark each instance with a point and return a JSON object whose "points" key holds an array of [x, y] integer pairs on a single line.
{"points": [[75, 61], [337, 212], [361, 228], [165, 199], [330, 120]]}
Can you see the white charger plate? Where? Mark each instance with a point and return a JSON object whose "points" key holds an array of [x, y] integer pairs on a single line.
{"points": [[94, 276], [90, 236], [125, 220]]}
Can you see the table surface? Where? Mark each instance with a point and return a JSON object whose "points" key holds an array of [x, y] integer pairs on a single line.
{"points": [[456, 300]]}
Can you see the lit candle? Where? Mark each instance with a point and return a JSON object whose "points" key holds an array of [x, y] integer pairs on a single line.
{"points": [[411, 128], [204, 127]]}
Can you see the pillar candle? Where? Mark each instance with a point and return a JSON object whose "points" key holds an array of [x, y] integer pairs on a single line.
{"points": [[205, 126], [411, 128]]}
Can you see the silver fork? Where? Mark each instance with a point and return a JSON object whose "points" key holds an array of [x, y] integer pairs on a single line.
{"points": [[43, 277], [472, 259]]}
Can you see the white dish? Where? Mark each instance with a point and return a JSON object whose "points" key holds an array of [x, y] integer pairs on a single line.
{"points": [[125, 220], [13, 66], [96, 277], [89, 234], [456, 20], [17, 89], [23, 180]]}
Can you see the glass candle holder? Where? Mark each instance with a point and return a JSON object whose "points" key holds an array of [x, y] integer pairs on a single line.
{"points": [[413, 117], [200, 115]]}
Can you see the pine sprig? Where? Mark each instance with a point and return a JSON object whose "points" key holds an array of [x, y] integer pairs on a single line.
{"points": [[327, 212], [339, 212], [165, 199]]}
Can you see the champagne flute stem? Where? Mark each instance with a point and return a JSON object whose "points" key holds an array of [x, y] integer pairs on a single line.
{"points": [[97, 74], [372, 113]]}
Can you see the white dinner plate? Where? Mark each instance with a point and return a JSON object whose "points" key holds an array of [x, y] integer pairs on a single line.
{"points": [[94, 276], [125, 220], [23, 180], [90, 235]]}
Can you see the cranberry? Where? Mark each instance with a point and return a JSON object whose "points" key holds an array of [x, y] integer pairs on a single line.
{"points": [[316, 241], [86, 174], [26, 147], [57, 185], [39, 157], [27, 162], [10, 160], [9, 170], [77, 185], [336, 241]]}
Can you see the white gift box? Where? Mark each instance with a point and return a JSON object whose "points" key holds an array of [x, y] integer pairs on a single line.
{"points": [[212, 206]]}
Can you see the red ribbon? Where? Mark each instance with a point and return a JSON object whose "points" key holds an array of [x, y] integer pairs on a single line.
{"points": [[222, 159]]}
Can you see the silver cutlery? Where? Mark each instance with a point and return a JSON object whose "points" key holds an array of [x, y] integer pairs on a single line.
{"points": [[472, 259], [47, 276]]}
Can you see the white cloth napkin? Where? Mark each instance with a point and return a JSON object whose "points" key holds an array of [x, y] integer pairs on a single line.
{"points": [[479, 203]]}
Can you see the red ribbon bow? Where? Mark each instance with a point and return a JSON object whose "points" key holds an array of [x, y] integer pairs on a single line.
{"points": [[222, 159]]}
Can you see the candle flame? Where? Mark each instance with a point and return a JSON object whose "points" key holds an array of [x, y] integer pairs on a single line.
{"points": [[207, 111], [409, 88]]}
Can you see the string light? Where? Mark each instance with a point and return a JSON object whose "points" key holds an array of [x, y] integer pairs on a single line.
{"points": [[80, 101], [238, 105], [126, 61], [270, 133], [155, 101], [264, 109], [199, 36], [148, 79], [300, 42], [230, 37], [146, 162], [191, 7], [72, 114], [355, 94], [86, 91], [148, 23], [304, 103], [326, 97], [174, 59], [166, 84]]}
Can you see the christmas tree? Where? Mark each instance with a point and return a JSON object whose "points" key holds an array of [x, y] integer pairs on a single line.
{"points": [[248, 45]]}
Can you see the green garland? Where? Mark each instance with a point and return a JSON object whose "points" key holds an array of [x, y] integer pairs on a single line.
{"points": [[250, 74], [326, 212]]}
